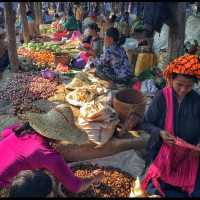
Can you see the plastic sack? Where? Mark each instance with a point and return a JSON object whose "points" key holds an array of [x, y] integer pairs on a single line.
{"points": [[98, 121], [144, 61], [192, 30], [98, 132], [148, 87], [130, 44], [160, 40], [163, 60]]}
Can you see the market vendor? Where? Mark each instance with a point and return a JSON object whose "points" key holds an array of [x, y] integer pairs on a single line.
{"points": [[81, 60], [92, 18], [173, 171], [56, 24], [113, 64], [29, 146], [111, 21], [4, 58], [70, 24], [96, 46]]}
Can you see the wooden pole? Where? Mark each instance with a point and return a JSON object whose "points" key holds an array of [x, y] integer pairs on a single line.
{"points": [[177, 31], [10, 28], [24, 22], [37, 17]]}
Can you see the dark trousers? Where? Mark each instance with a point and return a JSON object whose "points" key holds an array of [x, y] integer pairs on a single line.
{"points": [[4, 61]]}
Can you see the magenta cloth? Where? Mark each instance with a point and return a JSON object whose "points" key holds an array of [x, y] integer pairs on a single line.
{"points": [[75, 35], [137, 85], [30, 152], [84, 56], [174, 165]]}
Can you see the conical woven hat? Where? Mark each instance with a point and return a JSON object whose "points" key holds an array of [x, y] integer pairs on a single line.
{"points": [[57, 124]]}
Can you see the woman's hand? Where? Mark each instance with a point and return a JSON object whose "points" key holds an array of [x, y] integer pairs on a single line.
{"points": [[196, 153], [167, 137], [60, 146], [92, 52]]}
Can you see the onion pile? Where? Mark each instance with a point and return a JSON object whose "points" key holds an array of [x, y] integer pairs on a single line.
{"points": [[24, 88], [116, 183]]}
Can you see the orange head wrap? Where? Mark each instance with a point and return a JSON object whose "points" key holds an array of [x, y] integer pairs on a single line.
{"points": [[187, 65]]}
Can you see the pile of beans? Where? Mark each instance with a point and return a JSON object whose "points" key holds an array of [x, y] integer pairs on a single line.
{"points": [[116, 183], [24, 88]]}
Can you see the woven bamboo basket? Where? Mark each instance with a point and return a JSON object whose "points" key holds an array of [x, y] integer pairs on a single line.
{"points": [[63, 59], [130, 103]]}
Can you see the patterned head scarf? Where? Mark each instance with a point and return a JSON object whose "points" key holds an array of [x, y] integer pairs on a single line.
{"points": [[187, 65]]}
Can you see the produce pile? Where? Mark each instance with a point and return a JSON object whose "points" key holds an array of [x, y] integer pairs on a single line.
{"points": [[47, 29], [43, 55], [24, 88], [57, 36], [115, 183], [42, 58], [35, 46]]}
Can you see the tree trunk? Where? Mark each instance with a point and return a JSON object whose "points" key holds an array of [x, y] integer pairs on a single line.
{"points": [[37, 17], [24, 22], [10, 28], [177, 31]]}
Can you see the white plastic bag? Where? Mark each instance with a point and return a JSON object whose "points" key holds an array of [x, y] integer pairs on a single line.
{"points": [[148, 87], [161, 39], [192, 30], [98, 121]]}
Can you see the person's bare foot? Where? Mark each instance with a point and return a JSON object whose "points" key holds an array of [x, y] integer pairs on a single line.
{"points": [[96, 177]]}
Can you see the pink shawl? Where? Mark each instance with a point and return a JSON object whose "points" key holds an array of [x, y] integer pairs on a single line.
{"points": [[175, 165]]}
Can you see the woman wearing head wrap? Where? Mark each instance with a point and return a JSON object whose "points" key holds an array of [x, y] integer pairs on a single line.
{"points": [[173, 120]]}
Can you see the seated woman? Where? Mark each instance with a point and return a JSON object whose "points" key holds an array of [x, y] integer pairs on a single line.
{"points": [[91, 46], [92, 18], [30, 146], [4, 58], [70, 24], [81, 60], [173, 116], [96, 46], [56, 23], [113, 63]]}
